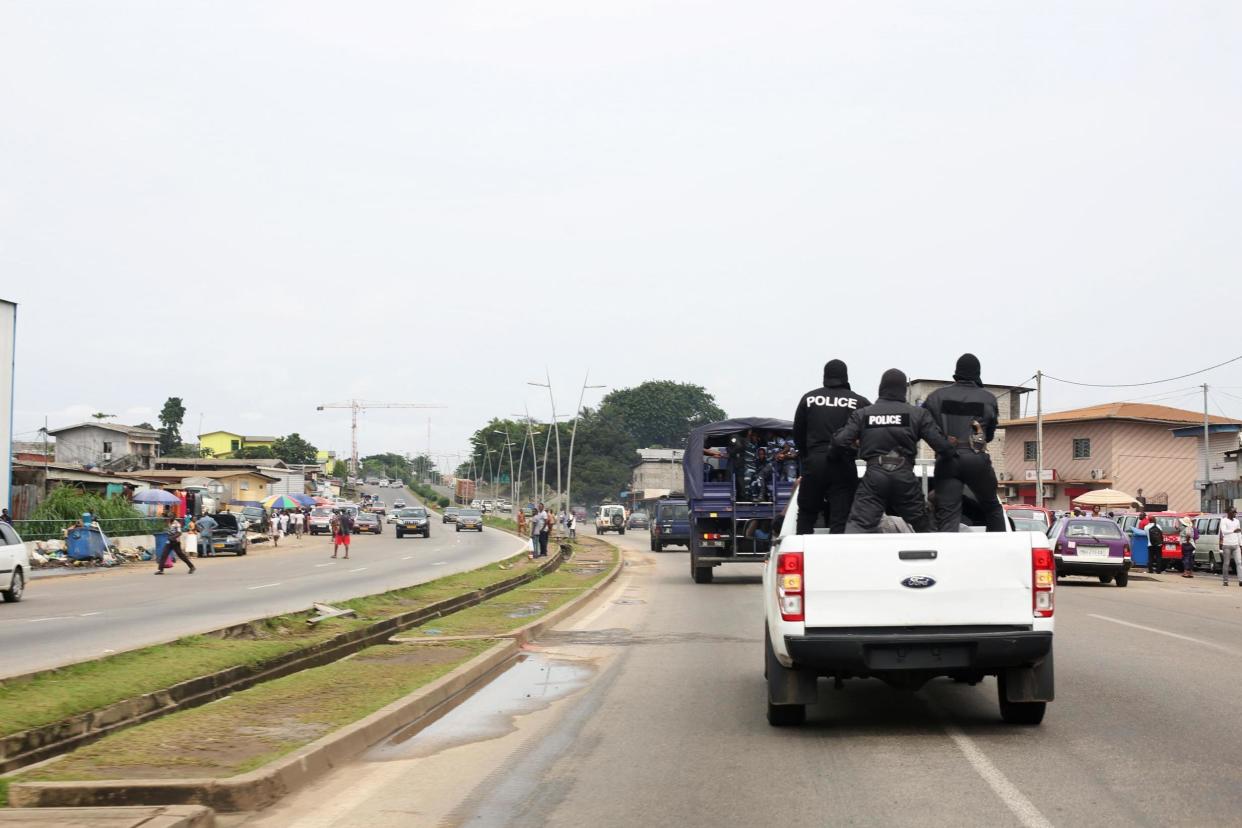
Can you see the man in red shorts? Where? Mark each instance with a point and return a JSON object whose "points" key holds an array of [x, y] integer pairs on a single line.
{"points": [[342, 529]]}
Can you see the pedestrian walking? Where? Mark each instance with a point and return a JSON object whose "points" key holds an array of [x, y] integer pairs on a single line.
{"points": [[1230, 545], [1186, 536], [173, 547], [829, 479], [1155, 547], [275, 528], [571, 521], [298, 517], [284, 524], [521, 522], [342, 533]]}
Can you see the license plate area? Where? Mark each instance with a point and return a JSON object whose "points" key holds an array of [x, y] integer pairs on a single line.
{"points": [[919, 657], [1092, 551]]}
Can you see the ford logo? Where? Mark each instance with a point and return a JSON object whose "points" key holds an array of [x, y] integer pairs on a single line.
{"points": [[918, 582]]}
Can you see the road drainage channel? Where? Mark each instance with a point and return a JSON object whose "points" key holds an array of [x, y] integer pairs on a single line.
{"points": [[532, 683]]}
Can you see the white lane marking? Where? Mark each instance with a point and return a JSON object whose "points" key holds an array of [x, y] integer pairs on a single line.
{"points": [[359, 569], [329, 563], [49, 618], [440, 563], [408, 558], [1014, 800], [264, 586], [89, 614], [1164, 632]]}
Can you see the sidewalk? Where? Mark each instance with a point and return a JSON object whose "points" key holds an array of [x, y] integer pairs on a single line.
{"points": [[156, 816]]}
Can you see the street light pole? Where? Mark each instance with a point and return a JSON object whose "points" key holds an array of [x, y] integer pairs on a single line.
{"points": [[573, 434], [555, 427], [509, 446]]}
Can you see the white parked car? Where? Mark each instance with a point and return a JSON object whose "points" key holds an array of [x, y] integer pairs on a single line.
{"points": [[14, 564], [907, 608]]}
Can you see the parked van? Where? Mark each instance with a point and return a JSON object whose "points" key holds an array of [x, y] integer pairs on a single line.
{"points": [[1207, 547]]}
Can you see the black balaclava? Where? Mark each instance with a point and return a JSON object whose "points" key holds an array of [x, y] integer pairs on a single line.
{"points": [[836, 375], [893, 385], [967, 369]]}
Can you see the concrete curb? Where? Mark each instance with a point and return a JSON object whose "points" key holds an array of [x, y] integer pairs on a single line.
{"points": [[263, 787], [29, 746], [162, 816]]}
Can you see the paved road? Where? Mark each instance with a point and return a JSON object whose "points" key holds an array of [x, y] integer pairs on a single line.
{"points": [[69, 619], [648, 710]]}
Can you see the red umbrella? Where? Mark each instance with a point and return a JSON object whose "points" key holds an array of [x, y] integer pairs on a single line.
{"points": [[322, 501]]}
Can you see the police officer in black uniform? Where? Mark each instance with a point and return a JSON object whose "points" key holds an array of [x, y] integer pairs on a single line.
{"points": [[967, 414], [888, 434], [829, 478]]}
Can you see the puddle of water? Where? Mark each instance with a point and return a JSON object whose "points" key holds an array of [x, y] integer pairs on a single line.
{"points": [[527, 611], [531, 684]]}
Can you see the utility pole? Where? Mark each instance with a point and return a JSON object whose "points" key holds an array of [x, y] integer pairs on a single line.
{"points": [[1207, 453], [556, 428], [1039, 439], [573, 433], [362, 405]]}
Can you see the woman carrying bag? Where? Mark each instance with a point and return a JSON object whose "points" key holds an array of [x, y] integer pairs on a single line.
{"points": [[1187, 538]]}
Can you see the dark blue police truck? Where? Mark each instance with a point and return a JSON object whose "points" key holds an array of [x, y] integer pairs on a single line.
{"points": [[739, 477]]}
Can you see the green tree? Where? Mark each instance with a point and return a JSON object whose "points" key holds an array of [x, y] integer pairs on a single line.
{"points": [[254, 453], [660, 413], [340, 469], [188, 450], [293, 449], [172, 415]]}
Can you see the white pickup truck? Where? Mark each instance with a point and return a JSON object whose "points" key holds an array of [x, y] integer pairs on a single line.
{"points": [[906, 608]]}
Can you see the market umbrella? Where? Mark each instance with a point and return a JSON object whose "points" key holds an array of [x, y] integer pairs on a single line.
{"points": [[156, 496], [305, 500], [321, 501], [280, 501], [1105, 497]]}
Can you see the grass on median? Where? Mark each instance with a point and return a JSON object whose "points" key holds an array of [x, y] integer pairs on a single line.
{"points": [[248, 729], [79, 688], [254, 727]]}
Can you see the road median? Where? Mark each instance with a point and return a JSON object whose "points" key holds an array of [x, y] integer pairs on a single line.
{"points": [[52, 711], [252, 748]]}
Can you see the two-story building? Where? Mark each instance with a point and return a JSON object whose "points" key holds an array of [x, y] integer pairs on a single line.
{"points": [[108, 445], [1137, 448], [657, 474], [225, 443]]}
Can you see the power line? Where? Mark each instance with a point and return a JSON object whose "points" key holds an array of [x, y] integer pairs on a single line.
{"points": [[1139, 384]]}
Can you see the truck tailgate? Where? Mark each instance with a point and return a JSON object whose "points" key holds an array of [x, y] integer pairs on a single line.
{"points": [[899, 580]]}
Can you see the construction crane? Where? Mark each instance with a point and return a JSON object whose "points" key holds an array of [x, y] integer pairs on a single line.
{"points": [[362, 405]]}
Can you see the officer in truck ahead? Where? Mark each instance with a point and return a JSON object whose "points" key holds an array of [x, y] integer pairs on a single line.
{"points": [[967, 414], [888, 434], [829, 478]]}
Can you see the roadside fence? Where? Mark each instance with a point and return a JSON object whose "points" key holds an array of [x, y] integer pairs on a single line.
{"points": [[37, 530]]}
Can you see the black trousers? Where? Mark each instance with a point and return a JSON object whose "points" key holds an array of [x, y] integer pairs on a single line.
{"points": [[173, 548], [543, 545], [897, 493], [827, 488], [1155, 558], [955, 473]]}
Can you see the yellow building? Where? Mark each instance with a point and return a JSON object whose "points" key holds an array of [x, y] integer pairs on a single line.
{"points": [[225, 443]]}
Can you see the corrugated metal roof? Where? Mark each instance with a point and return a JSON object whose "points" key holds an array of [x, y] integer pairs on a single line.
{"points": [[1143, 412]]}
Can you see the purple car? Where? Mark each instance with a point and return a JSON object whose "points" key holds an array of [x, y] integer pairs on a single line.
{"points": [[1091, 546]]}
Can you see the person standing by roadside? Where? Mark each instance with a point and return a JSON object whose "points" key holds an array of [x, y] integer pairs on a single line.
{"points": [[544, 531], [298, 517], [342, 534], [206, 525], [173, 547], [1186, 536], [1155, 547], [5, 517], [570, 521], [1230, 545], [537, 523], [521, 522], [284, 523], [275, 528]]}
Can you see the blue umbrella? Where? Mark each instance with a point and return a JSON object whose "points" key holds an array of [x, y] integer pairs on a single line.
{"points": [[158, 496], [305, 500]]}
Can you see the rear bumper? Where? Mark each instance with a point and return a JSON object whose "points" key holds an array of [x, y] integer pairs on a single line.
{"points": [[863, 654], [1091, 566]]}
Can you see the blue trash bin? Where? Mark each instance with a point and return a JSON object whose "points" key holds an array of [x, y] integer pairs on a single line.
{"points": [[85, 543], [1138, 548], [161, 543]]}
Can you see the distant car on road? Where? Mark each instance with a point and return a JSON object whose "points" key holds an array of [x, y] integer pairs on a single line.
{"points": [[229, 534], [450, 514], [1091, 546], [1025, 512], [320, 520], [368, 522], [470, 519], [14, 564], [671, 524], [398, 504], [638, 520], [414, 521], [610, 518], [393, 517]]}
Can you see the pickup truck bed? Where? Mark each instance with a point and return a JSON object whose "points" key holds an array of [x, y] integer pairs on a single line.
{"points": [[907, 608]]}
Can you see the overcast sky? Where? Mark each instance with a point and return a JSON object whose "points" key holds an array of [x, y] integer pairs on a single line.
{"points": [[265, 206]]}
